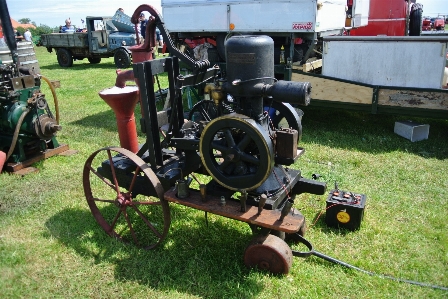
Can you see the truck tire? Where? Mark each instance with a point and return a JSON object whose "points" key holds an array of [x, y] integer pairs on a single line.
{"points": [[65, 58], [415, 23], [122, 59], [94, 60]]}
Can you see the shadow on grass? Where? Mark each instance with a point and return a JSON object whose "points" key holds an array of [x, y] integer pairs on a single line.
{"points": [[105, 120], [371, 133], [194, 259], [81, 65]]}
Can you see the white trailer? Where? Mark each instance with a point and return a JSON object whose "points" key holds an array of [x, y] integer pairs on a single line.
{"points": [[382, 74], [297, 25]]}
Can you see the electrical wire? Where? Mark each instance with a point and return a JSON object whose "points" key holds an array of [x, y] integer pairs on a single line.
{"points": [[336, 261]]}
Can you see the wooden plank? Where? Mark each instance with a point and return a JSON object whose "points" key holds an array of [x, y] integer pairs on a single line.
{"points": [[335, 91], [14, 167], [413, 99], [268, 218], [311, 66]]}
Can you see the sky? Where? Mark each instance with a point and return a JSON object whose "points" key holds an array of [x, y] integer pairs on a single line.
{"points": [[54, 12]]}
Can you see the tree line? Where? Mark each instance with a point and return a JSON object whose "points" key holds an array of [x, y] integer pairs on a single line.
{"points": [[37, 31]]}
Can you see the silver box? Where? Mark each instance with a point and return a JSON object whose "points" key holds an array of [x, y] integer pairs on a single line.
{"points": [[411, 130]]}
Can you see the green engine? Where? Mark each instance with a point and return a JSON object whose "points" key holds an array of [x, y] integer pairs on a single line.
{"points": [[27, 126]]}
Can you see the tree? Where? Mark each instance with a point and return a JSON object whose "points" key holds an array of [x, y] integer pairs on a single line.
{"points": [[25, 21]]}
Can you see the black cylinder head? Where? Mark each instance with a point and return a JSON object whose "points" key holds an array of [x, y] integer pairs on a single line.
{"points": [[249, 58]]}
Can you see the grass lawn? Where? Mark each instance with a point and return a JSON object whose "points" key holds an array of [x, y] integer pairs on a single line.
{"points": [[51, 246]]}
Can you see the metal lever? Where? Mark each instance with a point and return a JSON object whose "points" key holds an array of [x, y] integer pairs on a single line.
{"points": [[262, 202]]}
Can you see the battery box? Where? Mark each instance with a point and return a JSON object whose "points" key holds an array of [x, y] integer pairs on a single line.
{"points": [[345, 209]]}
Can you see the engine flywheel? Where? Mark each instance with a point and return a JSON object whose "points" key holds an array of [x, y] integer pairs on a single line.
{"points": [[237, 152]]}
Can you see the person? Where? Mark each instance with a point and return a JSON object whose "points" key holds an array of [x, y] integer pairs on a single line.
{"points": [[68, 28], [159, 37], [27, 35], [121, 9], [143, 22], [19, 36]]}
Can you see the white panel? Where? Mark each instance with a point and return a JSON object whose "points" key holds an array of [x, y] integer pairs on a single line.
{"points": [[253, 16], [360, 12], [386, 61]]}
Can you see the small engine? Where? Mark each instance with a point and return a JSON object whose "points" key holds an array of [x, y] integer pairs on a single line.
{"points": [[247, 148], [27, 126]]}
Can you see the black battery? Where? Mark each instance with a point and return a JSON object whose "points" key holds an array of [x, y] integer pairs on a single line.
{"points": [[345, 209]]}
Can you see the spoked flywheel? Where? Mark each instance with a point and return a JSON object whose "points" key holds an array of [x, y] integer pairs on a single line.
{"points": [[126, 197], [237, 152]]}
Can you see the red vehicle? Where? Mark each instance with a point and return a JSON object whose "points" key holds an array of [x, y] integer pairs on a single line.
{"points": [[439, 24], [426, 24], [389, 17]]}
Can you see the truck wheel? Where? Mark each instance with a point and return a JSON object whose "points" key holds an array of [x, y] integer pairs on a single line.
{"points": [[415, 23], [94, 60], [65, 58], [122, 59]]}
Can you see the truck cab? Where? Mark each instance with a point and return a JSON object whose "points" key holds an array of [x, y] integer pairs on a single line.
{"points": [[103, 37]]}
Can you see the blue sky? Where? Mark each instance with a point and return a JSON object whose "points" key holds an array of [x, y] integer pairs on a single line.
{"points": [[54, 12]]}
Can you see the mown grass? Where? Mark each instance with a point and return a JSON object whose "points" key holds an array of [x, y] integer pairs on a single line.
{"points": [[50, 245]]}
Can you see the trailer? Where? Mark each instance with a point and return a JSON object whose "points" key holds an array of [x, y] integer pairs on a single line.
{"points": [[298, 26], [383, 74]]}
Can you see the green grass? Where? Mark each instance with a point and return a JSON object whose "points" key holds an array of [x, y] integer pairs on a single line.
{"points": [[50, 245]]}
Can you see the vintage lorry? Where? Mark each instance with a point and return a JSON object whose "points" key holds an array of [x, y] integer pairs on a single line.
{"points": [[297, 25], [103, 37]]}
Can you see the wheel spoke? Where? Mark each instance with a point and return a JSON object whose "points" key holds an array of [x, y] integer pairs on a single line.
{"points": [[218, 146], [250, 159], [112, 168], [103, 200], [106, 181], [126, 216], [149, 224], [205, 111], [114, 221], [224, 165], [244, 142], [229, 138], [136, 172]]}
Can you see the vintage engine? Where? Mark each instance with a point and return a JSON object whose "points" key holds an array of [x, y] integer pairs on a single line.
{"points": [[27, 126], [245, 150]]}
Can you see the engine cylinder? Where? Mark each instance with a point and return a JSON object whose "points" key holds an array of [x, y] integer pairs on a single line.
{"points": [[249, 58]]}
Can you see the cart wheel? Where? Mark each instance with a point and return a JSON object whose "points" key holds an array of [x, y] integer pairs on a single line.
{"points": [[269, 253], [126, 197]]}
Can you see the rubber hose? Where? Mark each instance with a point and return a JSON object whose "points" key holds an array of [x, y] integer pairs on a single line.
{"points": [[16, 133], [55, 98]]}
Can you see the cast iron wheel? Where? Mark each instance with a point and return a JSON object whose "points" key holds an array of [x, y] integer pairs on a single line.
{"points": [[269, 253], [122, 59], [206, 110], [65, 58], [236, 152], [94, 60], [126, 197], [283, 115]]}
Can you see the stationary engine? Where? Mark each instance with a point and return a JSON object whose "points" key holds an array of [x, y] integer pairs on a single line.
{"points": [[245, 149], [27, 126]]}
